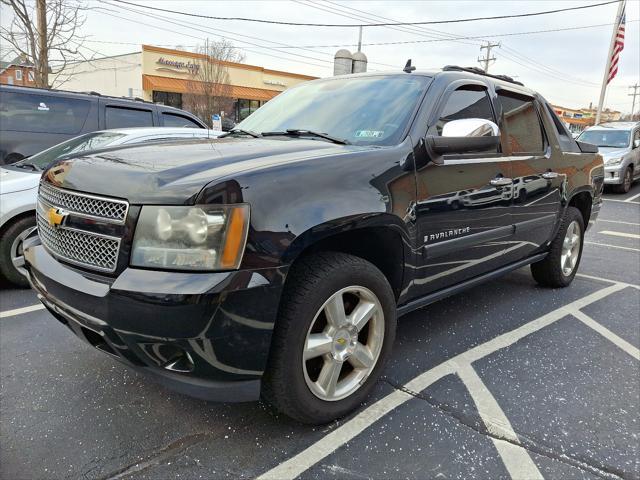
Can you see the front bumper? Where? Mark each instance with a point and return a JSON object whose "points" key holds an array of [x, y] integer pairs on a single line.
{"points": [[204, 334], [614, 175]]}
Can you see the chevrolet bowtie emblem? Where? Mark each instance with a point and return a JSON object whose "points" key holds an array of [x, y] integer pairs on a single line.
{"points": [[56, 216]]}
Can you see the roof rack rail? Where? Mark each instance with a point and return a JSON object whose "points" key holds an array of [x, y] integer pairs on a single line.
{"points": [[479, 71]]}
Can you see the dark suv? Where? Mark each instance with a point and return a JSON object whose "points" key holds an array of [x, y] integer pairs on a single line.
{"points": [[274, 261], [33, 119]]}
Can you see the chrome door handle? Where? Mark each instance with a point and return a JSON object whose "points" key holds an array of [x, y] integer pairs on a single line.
{"points": [[550, 175], [501, 182]]}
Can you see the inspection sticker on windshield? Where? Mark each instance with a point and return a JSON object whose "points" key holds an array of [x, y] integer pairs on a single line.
{"points": [[369, 133]]}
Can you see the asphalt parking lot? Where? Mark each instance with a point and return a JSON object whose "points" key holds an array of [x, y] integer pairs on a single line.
{"points": [[505, 380]]}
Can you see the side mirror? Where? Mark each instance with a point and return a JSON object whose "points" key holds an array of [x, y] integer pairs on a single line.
{"points": [[636, 143], [466, 135]]}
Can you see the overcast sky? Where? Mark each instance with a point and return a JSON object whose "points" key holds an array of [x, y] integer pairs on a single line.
{"points": [[566, 66]]}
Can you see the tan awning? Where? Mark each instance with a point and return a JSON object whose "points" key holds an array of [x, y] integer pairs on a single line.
{"points": [[179, 85]]}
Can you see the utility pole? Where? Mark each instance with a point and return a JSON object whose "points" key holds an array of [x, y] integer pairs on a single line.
{"points": [[42, 67], [635, 93], [487, 58]]}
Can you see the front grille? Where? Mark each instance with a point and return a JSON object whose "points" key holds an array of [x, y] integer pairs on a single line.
{"points": [[108, 209], [80, 247]]}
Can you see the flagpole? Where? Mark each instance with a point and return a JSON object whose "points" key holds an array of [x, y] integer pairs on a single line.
{"points": [[603, 91]]}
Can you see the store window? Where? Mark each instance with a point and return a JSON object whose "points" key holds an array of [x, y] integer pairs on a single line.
{"points": [[244, 108], [170, 99]]}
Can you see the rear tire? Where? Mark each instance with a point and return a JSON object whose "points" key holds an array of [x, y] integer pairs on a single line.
{"points": [[11, 249], [560, 266], [627, 180], [293, 381]]}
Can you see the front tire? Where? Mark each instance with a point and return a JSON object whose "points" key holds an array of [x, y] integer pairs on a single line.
{"points": [[627, 180], [11, 255], [560, 266], [334, 333]]}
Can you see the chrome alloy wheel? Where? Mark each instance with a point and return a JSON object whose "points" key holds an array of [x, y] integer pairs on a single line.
{"points": [[343, 343], [17, 252], [570, 249]]}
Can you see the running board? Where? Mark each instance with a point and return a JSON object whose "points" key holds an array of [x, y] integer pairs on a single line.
{"points": [[454, 289]]}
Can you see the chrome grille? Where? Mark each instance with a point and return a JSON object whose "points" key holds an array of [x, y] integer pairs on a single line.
{"points": [[111, 210], [79, 247]]}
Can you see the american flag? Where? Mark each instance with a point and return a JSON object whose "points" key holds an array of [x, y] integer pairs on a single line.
{"points": [[617, 46]]}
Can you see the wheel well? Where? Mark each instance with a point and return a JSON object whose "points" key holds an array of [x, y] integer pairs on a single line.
{"points": [[378, 245], [582, 201], [15, 219]]}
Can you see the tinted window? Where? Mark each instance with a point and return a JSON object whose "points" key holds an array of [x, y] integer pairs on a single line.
{"points": [[89, 141], [371, 110], [42, 113], [173, 120], [118, 117], [521, 122], [466, 102]]}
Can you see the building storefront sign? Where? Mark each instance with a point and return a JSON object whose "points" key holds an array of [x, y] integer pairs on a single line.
{"points": [[177, 66]]}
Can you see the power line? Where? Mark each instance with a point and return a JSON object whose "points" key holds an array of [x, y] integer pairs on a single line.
{"points": [[432, 22]]}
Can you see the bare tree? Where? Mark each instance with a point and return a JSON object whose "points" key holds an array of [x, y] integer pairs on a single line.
{"points": [[209, 86], [46, 35]]}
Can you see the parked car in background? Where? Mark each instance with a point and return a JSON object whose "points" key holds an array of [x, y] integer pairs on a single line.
{"points": [[274, 261], [33, 119], [19, 184], [619, 145]]}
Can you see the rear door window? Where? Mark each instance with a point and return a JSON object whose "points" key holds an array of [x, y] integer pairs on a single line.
{"points": [[179, 121], [521, 122], [42, 113], [121, 117]]}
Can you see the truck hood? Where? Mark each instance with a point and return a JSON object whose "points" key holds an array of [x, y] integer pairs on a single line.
{"points": [[608, 153], [12, 181], [174, 173]]}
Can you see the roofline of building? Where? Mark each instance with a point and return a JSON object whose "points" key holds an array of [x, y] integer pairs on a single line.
{"points": [[244, 66]]}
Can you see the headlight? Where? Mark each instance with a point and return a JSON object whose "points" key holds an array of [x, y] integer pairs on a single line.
{"points": [[204, 237], [614, 161]]}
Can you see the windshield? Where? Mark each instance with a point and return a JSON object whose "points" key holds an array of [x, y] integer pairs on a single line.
{"points": [[606, 138], [361, 110], [90, 141]]}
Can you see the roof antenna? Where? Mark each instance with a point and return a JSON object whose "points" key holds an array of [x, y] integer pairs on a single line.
{"points": [[408, 68]]}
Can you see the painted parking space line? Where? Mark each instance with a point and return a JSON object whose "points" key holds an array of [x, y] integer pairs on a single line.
{"points": [[618, 201], [606, 333], [301, 462], [600, 279], [620, 234], [20, 311], [631, 199], [613, 246], [617, 221], [516, 459]]}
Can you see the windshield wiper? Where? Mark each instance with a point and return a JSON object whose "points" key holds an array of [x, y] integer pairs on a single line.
{"points": [[297, 132], [32, 166], [240, 130]]}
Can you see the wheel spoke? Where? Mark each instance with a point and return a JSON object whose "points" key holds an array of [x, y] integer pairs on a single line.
{"points": [[575, 239], [317, 344], [361, 357], [328, 378], [18, 262], [362, 314], [334, 311]]}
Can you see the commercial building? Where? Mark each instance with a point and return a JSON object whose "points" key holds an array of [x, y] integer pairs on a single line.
{"points": [[172, 76], [581, 118]]}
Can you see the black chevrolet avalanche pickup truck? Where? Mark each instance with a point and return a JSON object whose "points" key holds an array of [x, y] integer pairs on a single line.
{"points": [[273, 262]]}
